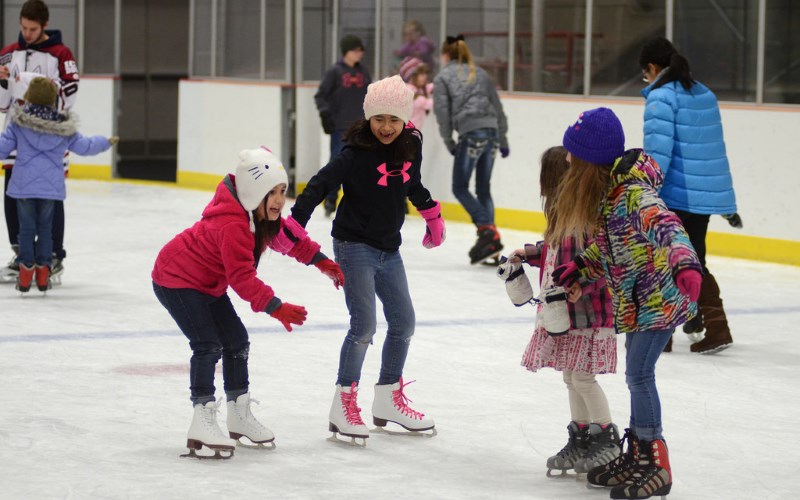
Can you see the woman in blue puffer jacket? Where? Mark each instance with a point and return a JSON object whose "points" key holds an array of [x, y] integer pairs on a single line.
{"points": [[683, 133]]}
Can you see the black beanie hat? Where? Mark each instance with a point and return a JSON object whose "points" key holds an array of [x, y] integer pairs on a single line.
{"points": [[350, 42]]}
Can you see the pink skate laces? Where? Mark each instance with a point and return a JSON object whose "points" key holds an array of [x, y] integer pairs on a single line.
{"points": [[351, 410], [401, 402]]}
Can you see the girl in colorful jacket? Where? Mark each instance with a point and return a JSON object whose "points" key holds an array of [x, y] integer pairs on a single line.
{"points": [[645, 256], [588, 348], [683, 133], [41, 136], [193, 272], [378, 169]]}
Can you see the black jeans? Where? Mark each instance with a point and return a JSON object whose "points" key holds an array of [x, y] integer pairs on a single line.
{"points": [[214, 330], [696, 226]]}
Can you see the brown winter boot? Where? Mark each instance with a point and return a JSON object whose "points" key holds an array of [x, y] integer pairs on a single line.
{"points": [[653, 476], [718, 335]]}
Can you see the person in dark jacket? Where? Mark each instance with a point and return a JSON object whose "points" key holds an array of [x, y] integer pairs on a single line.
{"points": [[683, 133], [339, 98], [378, 168]]}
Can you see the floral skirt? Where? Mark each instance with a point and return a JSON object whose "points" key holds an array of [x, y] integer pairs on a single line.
{"points": [[587, 350]]}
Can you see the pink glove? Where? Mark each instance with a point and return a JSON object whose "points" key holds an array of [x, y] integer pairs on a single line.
{"points": [[289, 314], [689, 281], [567, 274], [332, 270], [435, 232], [290, 233]]}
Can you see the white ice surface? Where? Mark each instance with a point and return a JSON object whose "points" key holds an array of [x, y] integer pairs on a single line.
{"points": [[95, 379]]}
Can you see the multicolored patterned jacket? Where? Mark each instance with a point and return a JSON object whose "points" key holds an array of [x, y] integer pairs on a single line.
{"points": [[639, 248]]}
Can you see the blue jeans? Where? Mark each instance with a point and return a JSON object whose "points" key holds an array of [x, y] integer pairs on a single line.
{"points": [[369, 272], [35, 231], [214, 330], [643, 350], [475, 152]]}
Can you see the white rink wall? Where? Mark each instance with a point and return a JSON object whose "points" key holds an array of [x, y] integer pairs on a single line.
{"points": [[219, 118], [95, 110]]}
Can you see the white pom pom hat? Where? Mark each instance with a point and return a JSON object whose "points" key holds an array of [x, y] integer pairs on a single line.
{"points": [[390, 96], [257, 173]]}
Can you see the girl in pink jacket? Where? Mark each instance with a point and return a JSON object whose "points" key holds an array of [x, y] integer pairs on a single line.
{"points": [[193, 272]]}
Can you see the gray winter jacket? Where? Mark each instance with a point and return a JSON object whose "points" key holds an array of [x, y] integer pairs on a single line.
{"points": [[464, 106]]}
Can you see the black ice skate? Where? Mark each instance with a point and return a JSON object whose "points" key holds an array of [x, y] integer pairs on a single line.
{"points": [[572, 453], [488, 245]]}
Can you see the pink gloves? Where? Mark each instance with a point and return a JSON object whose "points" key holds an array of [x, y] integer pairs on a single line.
{"points": [[435, 232], [332, 270], [289, 314], [689, 281], [291, 231], [567, 274]]}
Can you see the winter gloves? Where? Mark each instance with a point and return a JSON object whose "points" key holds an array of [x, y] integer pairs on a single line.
{"points": [[505, 151], [689, 281], [734, 220], [289, 314], [435, 232], [568, 274], [332, 270]]}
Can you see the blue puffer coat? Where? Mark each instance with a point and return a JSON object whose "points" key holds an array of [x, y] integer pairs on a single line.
{"points": [[683, 133], [41, 138]]}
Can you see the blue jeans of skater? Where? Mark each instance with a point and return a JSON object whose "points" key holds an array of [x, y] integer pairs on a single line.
{"points": [[643, 350], [475, 152], [336, 145], [35, 231], [214, 330], [369, 272]]}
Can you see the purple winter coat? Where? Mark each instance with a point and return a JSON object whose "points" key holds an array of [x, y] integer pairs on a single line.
{"points": [[41, 140]]}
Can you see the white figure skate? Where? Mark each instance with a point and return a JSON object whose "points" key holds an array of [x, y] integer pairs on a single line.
{"points": [[205, 431], [345, 417], [242, 423], [391, 405]]}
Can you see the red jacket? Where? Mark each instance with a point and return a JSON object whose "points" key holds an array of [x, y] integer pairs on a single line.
{"points": [[217, 252]]}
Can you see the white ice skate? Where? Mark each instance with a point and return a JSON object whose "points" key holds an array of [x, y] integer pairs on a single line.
{"points": [[242, 423], [205, 431], [345, 416], [9, 273], [391, 405]]}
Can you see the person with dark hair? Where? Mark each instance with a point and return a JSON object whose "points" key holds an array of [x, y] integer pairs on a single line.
{"points": [[339, 97], [465, 101], [378, 168], [191, 276], [683, 133], [41, 51]]}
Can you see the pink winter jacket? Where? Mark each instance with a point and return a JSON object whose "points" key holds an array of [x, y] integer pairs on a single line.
{"points": [[217, 252]]}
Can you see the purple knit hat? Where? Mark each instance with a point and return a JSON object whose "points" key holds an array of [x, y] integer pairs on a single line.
{"points": [[596, 137]]}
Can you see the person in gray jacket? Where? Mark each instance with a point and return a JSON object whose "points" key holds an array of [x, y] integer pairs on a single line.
{"points": [[465, 101]]}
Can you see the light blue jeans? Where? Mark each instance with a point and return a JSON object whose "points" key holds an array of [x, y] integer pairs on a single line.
{"points": [[475, 152], [35, 231], [369, 272], [643, 350]]}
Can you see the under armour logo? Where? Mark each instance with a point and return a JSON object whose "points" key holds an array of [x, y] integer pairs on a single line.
{"points": [[393, 173], [352, 80]]}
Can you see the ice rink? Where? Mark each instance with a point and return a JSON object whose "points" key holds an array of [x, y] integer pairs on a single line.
{"points": [[95, 378]]}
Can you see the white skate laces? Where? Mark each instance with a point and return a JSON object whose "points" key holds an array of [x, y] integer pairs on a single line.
{"points": [[350, 405], [401, 402]]}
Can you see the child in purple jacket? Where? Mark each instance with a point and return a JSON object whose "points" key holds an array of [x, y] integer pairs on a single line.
{"points": [[41, 135]]}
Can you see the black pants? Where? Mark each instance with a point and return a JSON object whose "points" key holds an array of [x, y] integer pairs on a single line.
{"points": [[696, 226], [12, 220]]}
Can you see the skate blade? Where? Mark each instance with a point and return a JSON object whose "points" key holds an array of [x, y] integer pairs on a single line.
{"points": [[428, 433], [353, 442], [562, 474], [252, 445], [219, 454]]}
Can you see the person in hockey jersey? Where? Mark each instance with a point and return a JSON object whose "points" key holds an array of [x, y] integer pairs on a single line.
{"points": [[41, 51], [378, 168], [191, 276], [41, 136]]}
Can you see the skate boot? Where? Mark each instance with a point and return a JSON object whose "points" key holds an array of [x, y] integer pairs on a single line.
{"points": [[25, 278], [487, 246], [718, 335], [653, 475], [619, 470], [205, 431], [242, 423], [43, 278], [603, 447], [345, 416], [391, 405], [574, 451], [9, 273], [56, 270]]}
